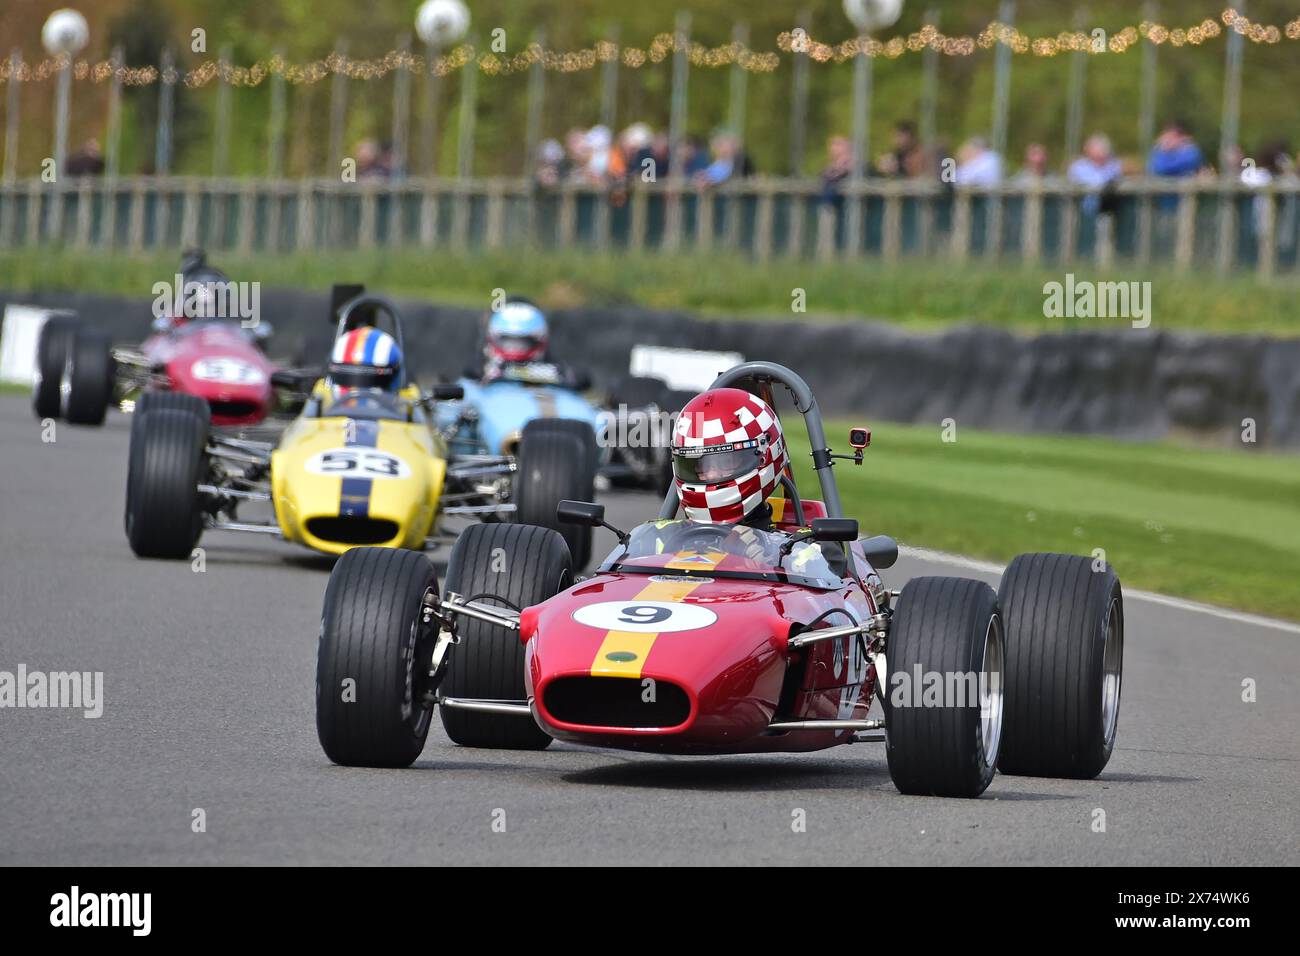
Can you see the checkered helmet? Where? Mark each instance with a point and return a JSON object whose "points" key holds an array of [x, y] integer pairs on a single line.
{"points": [[728, 455]]}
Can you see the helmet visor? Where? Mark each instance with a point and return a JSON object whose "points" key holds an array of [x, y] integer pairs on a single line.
{"points": [[346, 375], [715, 464], [516, 346]]}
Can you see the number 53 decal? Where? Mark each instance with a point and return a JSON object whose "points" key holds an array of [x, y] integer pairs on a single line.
{"points": [[358, 463], [644, 617]]}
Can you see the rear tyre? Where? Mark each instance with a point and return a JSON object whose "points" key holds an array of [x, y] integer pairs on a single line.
{"points": [[1065, 661], [946, 744], [166, 462], [642, 396], [373, 659], [639, 391], [522, 566], [556, 461], [91, 375], [52, 349], [676, 401]]}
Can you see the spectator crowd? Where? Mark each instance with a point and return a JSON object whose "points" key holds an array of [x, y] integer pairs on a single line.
{"points": [[596, 157], [1175, 154]]}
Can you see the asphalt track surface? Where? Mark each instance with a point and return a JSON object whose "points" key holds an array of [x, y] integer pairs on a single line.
{"points": [[209, 704]]}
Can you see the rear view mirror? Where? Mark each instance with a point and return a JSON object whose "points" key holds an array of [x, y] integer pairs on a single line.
{"points": [[581, 512], [835, 529], [859, 437], [881, 551]]}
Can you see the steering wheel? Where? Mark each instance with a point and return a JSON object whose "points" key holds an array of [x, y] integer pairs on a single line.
{"points": [[708, 536]]}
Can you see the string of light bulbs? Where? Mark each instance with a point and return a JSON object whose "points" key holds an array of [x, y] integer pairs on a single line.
{"points": [[662, 46]]}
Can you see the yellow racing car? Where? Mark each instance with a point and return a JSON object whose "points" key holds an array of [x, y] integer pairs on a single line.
{"points": [[363, 463]]}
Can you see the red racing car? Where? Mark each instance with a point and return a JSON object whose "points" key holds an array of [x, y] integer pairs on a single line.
{"points": [[80, 373], [708, 638]]}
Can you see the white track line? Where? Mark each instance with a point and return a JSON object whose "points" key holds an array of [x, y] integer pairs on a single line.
{"points": [[1223, 613]]}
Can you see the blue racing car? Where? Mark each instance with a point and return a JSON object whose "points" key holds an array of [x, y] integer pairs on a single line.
{"points": [[520, 392]]}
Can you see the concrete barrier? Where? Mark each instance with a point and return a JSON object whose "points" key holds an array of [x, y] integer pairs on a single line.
{"points": [[1123, 382]]}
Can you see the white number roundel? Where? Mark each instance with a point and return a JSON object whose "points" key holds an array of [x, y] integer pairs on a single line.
{"points": [[357, 462], [644, 617], [227, 371]]}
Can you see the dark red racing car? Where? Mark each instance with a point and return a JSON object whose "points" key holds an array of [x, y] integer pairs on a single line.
{"points": [[708, 638], [80, 373]]}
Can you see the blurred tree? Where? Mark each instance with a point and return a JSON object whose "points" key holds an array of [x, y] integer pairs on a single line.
{"points": [[1190, 77]]}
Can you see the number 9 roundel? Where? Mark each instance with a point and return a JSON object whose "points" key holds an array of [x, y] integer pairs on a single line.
{"points": [[645, 617]]}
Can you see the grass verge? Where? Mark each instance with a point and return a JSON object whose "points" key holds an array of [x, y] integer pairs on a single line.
{"points": [[919, 294], [1216, 526]]}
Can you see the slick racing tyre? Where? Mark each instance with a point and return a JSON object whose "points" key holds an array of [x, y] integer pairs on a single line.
{"points": [[513, 566], [154, 399], [677, 400], [145, 401], [639, 397], [944, 740], [165, 464], [556, 461], [53, 347], [1065, 658], [639, 391], [91, 374], [373, 659]]}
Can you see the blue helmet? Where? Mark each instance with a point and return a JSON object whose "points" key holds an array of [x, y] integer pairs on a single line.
{"points": [[517, 332], [365, 358]]}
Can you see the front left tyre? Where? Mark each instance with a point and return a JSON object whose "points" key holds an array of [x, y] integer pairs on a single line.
{"points": [[943, 739], [166, 463], [373, 706], [91, 374]]}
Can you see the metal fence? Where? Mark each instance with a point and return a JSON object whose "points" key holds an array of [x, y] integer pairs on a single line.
{"points": [[1183, 224]]}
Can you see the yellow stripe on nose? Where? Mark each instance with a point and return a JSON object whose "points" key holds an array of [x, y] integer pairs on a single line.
{"points": [[623, 653]]}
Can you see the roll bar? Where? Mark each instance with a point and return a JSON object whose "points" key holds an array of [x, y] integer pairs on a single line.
{"points": [[765, 373], [381, 305]]}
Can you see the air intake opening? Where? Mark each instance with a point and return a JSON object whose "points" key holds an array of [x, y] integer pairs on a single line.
{"points": [[234, 409], [615, 702], [353, 530]]}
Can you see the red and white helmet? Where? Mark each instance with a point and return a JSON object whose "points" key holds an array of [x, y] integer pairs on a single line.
{"points": [[728, 455]]}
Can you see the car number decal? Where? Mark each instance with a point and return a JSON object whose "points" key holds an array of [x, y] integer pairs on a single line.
{"points": [[227, 370], [358, 462], [644, 617]]}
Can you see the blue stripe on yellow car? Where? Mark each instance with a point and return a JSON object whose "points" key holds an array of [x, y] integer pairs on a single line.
{"points": [[623, 653], [354, 493]]}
